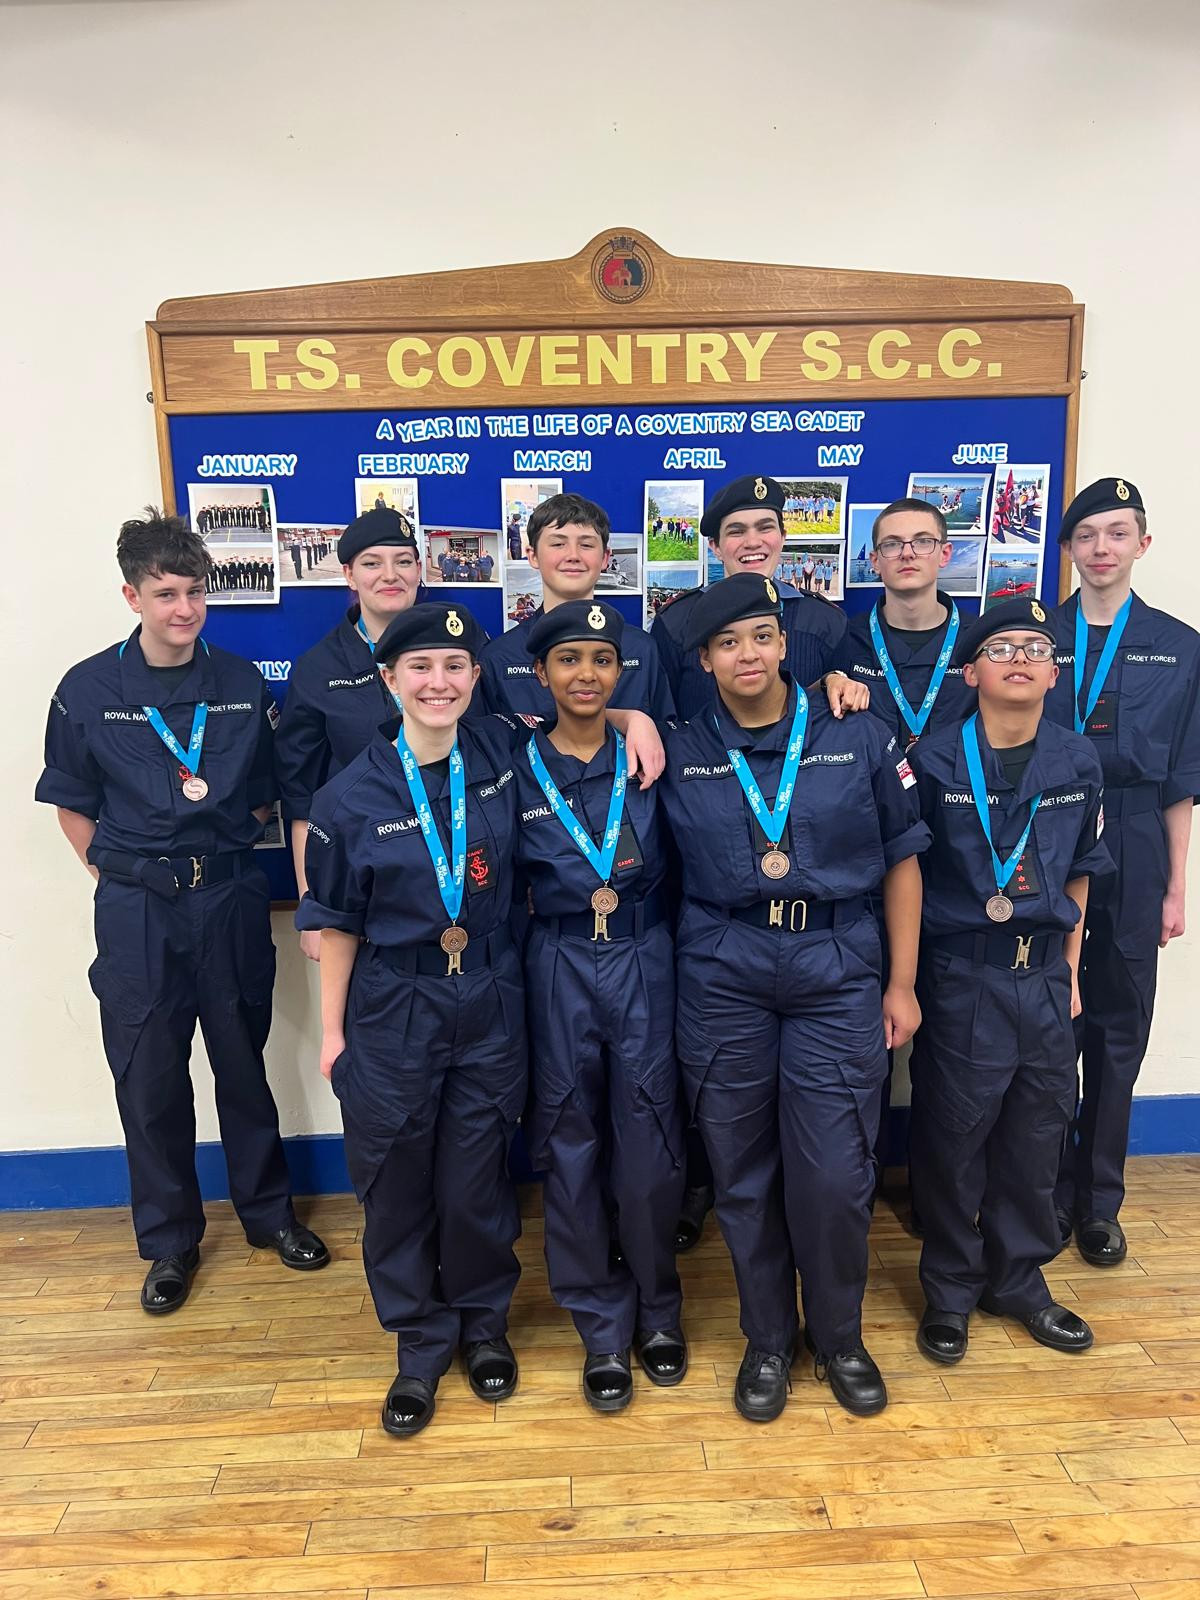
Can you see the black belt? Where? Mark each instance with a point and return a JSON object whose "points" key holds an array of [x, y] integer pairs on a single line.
{"points": [[795, 916], [167, 875], [629, 921], [1016, 951], [431, 961], [1132, 798]]}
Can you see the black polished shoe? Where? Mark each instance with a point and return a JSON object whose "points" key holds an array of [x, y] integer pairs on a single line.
{"points": [[1101, 1241], [763, 1385], [491, 1368], [697, 1203], [169, 1282], [942, 1336], [608, 1381], [409, 1406], [856, 1381], [1053, 1325], [1066, 1225], [663, 1357], [298, 1247]]}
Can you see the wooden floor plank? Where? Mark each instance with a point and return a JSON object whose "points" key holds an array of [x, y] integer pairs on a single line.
{"points": [[893, 1580], [1009, 1575], [1180, 1526], [997, 1503]]}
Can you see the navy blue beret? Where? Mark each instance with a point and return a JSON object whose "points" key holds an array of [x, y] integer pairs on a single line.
{"points": [[432, 626], [1106, 494], [730, 600], [377, 526], [751, 493], [572, 621], [1024, 615]]}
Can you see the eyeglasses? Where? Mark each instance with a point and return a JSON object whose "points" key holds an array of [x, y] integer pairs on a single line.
{"points": [[1006, 650], [923, 545]]}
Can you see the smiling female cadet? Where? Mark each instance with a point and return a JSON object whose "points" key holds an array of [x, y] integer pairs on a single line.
{"points": [[165, 820], [606, 1120], [336, 698], [1014, 803], [1130, 681], [786, 819]]}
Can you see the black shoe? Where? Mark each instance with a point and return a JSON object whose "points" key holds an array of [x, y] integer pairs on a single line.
{"points": [[169, 1282], [697, 1203], [942, 1336], [663, 1357], [491, 1368], [1101, 1241], [608, 1381], [763, 1385], [1054, 1326], [297, 1245], [1066, 1225], [856, 1381], [409, 1406]]}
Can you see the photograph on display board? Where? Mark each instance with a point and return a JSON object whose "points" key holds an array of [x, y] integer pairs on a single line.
{"points": [[388, 494], [860, 524], [462, 555], [672, 511], [518, 497], [963, 572], [243, 575], [1010, 573], [960, 496], [812, 507], [1019, 499], [308, 553], [664, 584], [522, 592], [274, 837], [712, 571], [622, 569], [812, 566]]}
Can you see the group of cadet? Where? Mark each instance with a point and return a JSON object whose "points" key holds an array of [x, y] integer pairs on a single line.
{"points": [[810, 507], [457, 566], [209, 518], [729, 892], [307, 550], [241, 572], [675, 528]]}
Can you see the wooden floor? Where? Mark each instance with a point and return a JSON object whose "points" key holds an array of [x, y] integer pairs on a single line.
{"points": [[233, 1449]]}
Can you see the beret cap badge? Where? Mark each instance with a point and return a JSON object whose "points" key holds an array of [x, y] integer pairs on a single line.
{"points": [[454, 624], [1122, 493], [772, 591], [595, 617], [1038, 614], [760, 489]]}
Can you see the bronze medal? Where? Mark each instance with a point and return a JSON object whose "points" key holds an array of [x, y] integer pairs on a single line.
{"points": [[194, 788], [999, 908], [775, 864], [454, 941], [605, 901]]}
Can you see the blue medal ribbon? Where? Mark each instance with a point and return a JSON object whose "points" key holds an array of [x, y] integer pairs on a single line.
{"points": [[600, 859], [915, 720], [1003, 870], [1107, 656], [189, 758], [449, 879], [773, 822], [366, 637]]}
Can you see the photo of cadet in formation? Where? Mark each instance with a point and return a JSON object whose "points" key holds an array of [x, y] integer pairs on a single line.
{"points": [[308, 553], [248, 577], [813, 509], [159, 762], [232, 513]]}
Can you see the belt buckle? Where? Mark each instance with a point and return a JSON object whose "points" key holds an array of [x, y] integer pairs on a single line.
{"points": [[775, 918], [197, 871], [1024, 946]]}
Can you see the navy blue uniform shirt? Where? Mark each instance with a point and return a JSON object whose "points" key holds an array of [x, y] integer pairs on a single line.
{"points": [[853, 816], [368, 867], [336, 700], [1064, 843], [1146, 726], [549, 859], [104, 760], [914, 666], [816, 644], [507, 681]]}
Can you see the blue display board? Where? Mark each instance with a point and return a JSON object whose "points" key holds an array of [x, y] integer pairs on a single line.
{"points": [[459, 459]]}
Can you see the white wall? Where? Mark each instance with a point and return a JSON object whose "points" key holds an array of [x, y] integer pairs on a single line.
{"points": [[156, 148]]}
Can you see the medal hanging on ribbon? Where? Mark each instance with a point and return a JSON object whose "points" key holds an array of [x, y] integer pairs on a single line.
{"points": [[450, 878], [1107, 656], [775, 864], [914, 720], [192, 785], [998, 906], [605, 900]]}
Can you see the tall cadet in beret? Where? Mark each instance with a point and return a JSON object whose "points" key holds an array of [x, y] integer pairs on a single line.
{"points": [[410, 874], [743, 524], [787, 819], [1014, 805], [158, 759], [1130, 682], [605, 1123], [336, 697]]}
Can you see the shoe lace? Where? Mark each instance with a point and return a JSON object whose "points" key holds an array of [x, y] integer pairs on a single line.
{"points": [[758, 1359]]}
